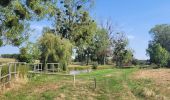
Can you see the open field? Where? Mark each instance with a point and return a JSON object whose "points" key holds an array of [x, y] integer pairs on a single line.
{"points": [[112, 84], [6, 60]]}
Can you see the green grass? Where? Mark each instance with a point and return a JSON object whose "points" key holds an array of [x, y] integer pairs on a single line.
{"points": [[112, 84]]}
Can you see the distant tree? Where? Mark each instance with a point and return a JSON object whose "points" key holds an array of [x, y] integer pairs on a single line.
{"points": [[161, 35], [128, 56], [102, 45], [10, 56], [54, 49], [158, 54], [24, 55], [159, 44], [121, 54], [29, 53]]}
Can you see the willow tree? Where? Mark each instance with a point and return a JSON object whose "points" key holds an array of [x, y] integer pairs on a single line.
{"points": [[55, 50], [14, 17]]}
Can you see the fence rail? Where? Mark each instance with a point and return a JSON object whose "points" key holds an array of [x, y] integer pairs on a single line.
{"points": [[6, 73]]}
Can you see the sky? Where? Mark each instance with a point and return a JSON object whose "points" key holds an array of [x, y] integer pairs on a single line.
{"points": [[134, 17]]}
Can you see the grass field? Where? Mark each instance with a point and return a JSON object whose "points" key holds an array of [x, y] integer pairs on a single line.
{"points": [[112, 84], [6, 60]]}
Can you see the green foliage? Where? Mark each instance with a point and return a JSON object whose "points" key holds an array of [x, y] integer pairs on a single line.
{"points": [[128, 56], [14, 17], [54, 49], [10, 56], [161, 35], [33, 50], [29, 53], [158, 48], [73, 21], [102, 45], [121, 55], [158, 54], [95, 65], [96, 50], [24, 55]]}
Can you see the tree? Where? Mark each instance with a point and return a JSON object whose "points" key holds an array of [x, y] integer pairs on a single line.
{"points": [[158, 54], [29, 53], [121, 54], [128, 57], [14, 17], [73, 21], [24, 55], [102, 45], [54, 49], [161, 34], [159, 44]]}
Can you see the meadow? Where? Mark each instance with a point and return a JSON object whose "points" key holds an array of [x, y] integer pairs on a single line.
{"points": [[111, 84]]}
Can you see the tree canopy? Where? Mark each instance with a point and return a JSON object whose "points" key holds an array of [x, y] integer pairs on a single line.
{"points": [[54, 49], [14, 17], [158, 48]]}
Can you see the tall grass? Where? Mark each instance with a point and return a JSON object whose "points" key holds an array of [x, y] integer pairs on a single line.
{"points": [[6, 60], [21, 69]]}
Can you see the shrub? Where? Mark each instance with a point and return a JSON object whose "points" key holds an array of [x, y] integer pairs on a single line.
{"points": [[95, 65]]}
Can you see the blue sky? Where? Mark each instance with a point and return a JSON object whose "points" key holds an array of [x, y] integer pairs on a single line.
{"points": [[134, 17]]}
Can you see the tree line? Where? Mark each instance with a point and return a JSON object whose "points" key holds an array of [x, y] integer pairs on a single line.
{"points": [[159, 47], [74, 30]]}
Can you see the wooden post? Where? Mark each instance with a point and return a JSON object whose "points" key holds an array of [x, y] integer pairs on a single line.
{"points": [[94, 83], [53, 67], [9, 72], [58, 67], [0, 79], [15, 70], [74, 79], [0, 73]]}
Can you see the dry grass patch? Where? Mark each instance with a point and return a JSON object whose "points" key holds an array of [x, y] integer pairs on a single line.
{"points": [[6, 60], [45, 87], [160, 76], [160, 87]]}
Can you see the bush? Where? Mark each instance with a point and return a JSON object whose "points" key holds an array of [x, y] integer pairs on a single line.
{"points": [[95, 65]]}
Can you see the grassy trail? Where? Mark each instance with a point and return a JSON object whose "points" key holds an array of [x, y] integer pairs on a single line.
{"points": [[112, 84]]}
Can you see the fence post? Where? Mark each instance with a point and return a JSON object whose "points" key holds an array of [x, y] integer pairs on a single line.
{"points": [[15, 70], [74, 79], [59, 67], [53, 67], [94, 83], [9, 72], [0, 78], [0, 73]]}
